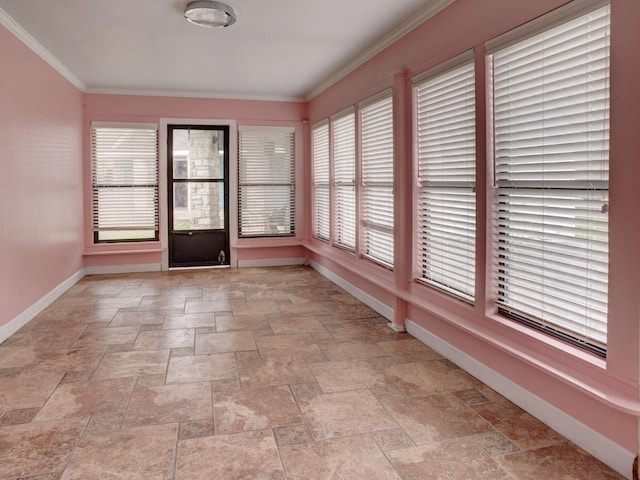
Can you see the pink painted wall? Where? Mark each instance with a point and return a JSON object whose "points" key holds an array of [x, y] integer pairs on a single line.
{"points": [[41, 194], [44, 154], [602, 394], [119, 108]]}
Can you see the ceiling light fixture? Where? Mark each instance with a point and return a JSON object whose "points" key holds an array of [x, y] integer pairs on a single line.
{"points": [[210, 14]]}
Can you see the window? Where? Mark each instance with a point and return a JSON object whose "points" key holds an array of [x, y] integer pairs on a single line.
{"points": [[124, 177], [445, 129], [321, 205], [344, 179], [266, 182], [377, 178], [551, 135]]}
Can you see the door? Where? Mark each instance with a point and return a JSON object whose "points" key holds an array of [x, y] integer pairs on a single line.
{"points": [[198, 184]]}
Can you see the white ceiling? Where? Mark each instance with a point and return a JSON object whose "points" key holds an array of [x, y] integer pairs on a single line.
{"points": [[277, 49]]}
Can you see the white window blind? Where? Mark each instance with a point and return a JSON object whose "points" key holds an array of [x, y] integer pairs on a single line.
{"points": [[124, 176], [445, 111], [344, 179], [551, 137], [321, 195], [377, 179], [266, 185]]}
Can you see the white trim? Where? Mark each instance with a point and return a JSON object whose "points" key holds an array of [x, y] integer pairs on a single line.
{"points": [[350, 110], [556, 17], [190, 94], [384, 310], [459, 60], [233, 181], [23, 318], [129, 125], [127, 268], [414, 21], [267, 128], [585, 437], [383, 95], [271, 262], [320, 124], [22, 35]]}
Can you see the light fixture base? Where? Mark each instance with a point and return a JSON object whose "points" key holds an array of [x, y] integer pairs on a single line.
{"points": [[207, 13]]}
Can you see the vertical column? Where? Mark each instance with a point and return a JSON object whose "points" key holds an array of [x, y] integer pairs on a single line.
{"points": [[305, 173], [484, 187], [403, 194]]}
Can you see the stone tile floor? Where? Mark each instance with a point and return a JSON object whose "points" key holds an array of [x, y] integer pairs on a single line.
{"points": [[251, 374]]}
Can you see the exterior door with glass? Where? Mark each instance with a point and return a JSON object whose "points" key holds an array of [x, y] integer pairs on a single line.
{"points": [[198, 184]]}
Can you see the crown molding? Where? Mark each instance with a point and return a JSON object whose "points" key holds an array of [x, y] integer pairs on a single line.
{"points": [[393, 36], [22, 35], [190, 94]]}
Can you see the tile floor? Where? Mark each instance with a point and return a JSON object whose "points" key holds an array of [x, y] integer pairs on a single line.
{"points": [[251, 374]]}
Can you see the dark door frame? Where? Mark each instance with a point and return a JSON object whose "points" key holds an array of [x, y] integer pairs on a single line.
{"points": [[206, 238]]}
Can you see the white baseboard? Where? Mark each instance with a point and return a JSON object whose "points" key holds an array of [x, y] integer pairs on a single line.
{"points": [[134, 268], [585, 437], [271, 262], [23, 318], [364, 297]]}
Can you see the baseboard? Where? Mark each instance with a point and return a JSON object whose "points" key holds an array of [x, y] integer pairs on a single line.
{"points": [[133, 268], [585, 437], [23, 318], [364, 297], [271, 262]]}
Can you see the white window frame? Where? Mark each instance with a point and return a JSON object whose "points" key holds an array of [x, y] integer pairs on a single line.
{"points": [[377, 186], [124, 209], [444, 119], [551, 179], [343, 185], [266, 181], [321, 181]]}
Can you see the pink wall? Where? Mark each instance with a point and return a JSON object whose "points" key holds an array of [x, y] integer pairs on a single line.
{"points": [[119, 108], [601, 394], [44, 153], [41, 193]]}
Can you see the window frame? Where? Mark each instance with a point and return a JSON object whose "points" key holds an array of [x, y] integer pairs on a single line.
{"points": [[445, 169], [275, 183], [563, 188], [344, 194], [100, 181], [377, 194], [321, 180]]}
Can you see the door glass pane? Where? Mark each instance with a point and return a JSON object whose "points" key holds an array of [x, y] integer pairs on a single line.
{"points": [[198, 206], [198, 154]]}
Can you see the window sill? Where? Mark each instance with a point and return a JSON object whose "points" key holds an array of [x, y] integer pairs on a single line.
{"points": [[270, 242], [123, 249]]}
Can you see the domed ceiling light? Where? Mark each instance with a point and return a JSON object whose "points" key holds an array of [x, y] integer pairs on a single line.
{"points": [[210, 14]]}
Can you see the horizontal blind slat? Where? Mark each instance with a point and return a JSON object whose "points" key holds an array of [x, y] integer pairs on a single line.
{"points": [[321, 178], [124, 176], [377, 180], [551, 132], [445, 109], [266, 182], [344, 172]]}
